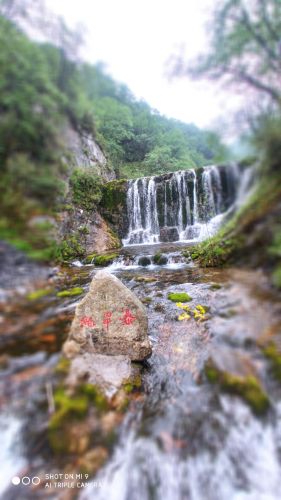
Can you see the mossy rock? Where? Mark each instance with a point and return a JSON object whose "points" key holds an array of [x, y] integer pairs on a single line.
{"points": [[89, 259], [114, 194], [179, 297], [146, 300], [160, 259], [67, 406], [144, 261], [186, 254], [94, 395], [104, 260], [274, 356], [248, 388], [39, 294], [145, 279], [70, 409], [71, 293], [63, 366], [134, 382], [215, 286]]}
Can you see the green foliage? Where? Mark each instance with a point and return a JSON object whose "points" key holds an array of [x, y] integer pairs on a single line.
{"points": [[69, 249], [243, 32], [105, 260], [268, 143], [85, 188], [42, 91], [179, 297], [114, 194]]}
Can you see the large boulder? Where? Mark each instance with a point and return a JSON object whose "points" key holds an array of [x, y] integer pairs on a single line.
{"points": [[109, 320]]}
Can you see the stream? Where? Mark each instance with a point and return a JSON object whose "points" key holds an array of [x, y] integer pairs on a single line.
{"points": [[182, 438]]}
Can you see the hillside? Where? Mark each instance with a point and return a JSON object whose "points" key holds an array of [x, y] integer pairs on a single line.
{"points": [[58, 115]]}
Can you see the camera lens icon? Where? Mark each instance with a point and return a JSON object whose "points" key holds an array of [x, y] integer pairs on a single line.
{"points": [[26, 480]]}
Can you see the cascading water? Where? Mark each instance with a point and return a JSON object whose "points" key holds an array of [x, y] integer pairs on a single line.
{"points": [[180, 206]]}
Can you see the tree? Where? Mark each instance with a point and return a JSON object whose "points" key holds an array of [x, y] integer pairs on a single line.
{"points": [[245, 47]]}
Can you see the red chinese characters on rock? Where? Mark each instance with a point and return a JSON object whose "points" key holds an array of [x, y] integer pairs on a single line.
{"points": [[127, 318], [107, 318], [87, 321]]}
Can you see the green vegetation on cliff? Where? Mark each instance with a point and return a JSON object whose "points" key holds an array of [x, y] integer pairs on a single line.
{"points": [[253, 235], [45, 91]]}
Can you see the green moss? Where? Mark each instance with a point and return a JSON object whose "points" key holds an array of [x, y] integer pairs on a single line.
{"points": [[146, 300], [248, 388], [66, 407], [160, 259], [114, 195], [215, 286], [115, 240], [179, 297], [105, 259], [186, 254], [94, 395], [134, 382], [63, 366], [274, 356], [128, 388], [70, 408], [90, 258], [38, 294], [71, 293], [211, 373]]}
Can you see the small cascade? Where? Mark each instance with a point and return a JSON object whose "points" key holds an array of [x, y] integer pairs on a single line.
{"points": [[169, 260], [187, 205]]}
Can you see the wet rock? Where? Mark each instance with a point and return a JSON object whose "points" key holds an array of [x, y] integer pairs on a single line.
{"points": [[105, 260], [239, 379], [106, 372], [109, 320], [17, 270], [160, 259], [93, 460], [169, 234], [144, 261]]}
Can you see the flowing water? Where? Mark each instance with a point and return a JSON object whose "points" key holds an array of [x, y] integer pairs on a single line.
{"points": [[181, 437], [187, 205]]}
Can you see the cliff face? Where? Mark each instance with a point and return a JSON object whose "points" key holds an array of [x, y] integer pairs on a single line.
{"points": [[82, 150], [83, 232]]}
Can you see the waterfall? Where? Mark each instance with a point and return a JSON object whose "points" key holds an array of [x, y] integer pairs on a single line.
{"points": [[180, 206]]}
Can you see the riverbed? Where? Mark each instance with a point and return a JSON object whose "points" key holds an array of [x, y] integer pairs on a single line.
{"points": [[182, 437]]}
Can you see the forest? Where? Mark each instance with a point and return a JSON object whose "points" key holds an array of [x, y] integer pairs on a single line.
{"points": [[43, 91]]}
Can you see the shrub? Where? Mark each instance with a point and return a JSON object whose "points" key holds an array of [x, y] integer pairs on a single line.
{"points": [[86, 188]]}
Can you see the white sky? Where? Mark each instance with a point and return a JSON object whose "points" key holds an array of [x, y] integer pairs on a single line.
{"points": [[135, 38]]}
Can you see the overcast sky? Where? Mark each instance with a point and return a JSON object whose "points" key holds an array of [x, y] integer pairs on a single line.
{"points": [[135, 38]]}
